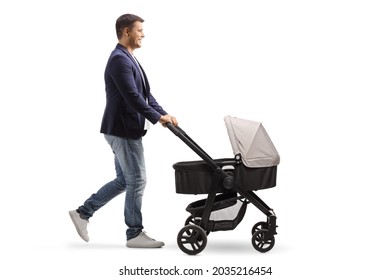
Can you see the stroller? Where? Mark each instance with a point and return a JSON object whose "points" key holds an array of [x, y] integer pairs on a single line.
{"points": [[229, 185]]}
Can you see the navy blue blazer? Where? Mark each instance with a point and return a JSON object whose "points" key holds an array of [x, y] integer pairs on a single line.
{"points": [[126, 95]]}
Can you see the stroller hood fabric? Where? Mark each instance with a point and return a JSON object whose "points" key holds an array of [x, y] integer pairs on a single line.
{"points": [[250, 139]]}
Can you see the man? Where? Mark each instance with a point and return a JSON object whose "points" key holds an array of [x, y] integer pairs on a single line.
{"points": [[129, 108]]}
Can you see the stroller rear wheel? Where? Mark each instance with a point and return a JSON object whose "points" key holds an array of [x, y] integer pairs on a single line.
{"points": [[192, 239], [262, 241]]}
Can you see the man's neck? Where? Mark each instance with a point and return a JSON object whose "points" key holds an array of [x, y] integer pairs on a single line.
{"points": [[129, 49]]}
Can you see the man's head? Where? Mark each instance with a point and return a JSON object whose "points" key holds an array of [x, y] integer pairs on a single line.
{"points": [[129, 31]]}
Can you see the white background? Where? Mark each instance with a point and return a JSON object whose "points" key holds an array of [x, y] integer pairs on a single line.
{"points": [[315, 73]]}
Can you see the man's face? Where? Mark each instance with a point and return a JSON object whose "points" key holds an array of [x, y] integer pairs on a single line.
{"points": [[135, 35]]}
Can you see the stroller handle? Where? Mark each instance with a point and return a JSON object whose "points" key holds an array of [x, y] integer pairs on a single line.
{"points": [[175, 129], [191, 143], [228, 179]]}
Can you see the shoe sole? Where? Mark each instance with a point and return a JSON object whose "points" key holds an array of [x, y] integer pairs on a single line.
{"points": [[145, 246]]}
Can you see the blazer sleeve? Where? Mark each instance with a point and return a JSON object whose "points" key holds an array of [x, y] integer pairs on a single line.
{"points": [[121, 71], [153, 103]]}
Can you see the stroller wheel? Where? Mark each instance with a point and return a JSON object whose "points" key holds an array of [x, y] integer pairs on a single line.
{"points": [[259, 226], [192, 239], [262, 241], [194, 221]]}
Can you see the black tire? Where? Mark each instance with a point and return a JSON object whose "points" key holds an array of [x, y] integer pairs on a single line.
{"points": [[194, 221], [259, 226], [262, 241], [192, 239]]}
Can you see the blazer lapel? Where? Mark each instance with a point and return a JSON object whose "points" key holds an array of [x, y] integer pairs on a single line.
{"points": [[146, 80]]}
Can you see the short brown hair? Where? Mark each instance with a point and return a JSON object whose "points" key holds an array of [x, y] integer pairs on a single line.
{"points": [[126, 20]]}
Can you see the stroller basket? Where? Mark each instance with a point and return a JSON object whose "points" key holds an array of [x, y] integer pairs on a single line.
{"points": [[226, 213]]}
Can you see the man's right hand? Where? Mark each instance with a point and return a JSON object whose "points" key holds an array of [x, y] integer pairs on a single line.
{"points": [[168, 119]]}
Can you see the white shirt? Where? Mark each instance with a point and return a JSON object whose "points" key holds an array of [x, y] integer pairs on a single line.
{"points": [[147, 123]]}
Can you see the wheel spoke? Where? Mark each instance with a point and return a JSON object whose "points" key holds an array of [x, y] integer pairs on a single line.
{"points": [[193, 246], [199, 243], [185, 240], [195, 234]]}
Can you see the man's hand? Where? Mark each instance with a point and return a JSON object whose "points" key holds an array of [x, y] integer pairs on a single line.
{"points": [[168, 119]]}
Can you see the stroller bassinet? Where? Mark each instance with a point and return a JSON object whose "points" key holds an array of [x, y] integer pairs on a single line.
{"points": [[229, 184], [195, 177]]}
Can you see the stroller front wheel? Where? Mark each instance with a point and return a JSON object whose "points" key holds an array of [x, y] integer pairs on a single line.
{"points": [[262, 241], [192, 239]]}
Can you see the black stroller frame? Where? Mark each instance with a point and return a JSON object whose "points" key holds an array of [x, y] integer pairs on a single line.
{"points": [[222, 192]]}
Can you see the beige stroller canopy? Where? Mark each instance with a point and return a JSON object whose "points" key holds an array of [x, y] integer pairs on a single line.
{"points": [[250, 139]]}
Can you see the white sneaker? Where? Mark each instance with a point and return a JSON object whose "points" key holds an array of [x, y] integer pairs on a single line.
{"points": [[144, 241], [80, 224]]}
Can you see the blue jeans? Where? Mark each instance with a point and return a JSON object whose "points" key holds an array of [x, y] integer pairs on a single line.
{"points": [[130, 177]]}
